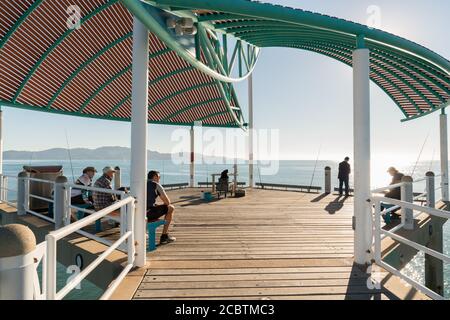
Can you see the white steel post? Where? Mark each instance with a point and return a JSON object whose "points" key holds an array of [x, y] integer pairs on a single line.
{"points": [[250, 133], [361, 144], [192, 159], [117, 178], [444, 156], [431, 198], [2, 180], [1, 141], [138, 180], [407, 195]]}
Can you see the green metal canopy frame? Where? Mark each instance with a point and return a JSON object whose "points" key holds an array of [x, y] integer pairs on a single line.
{"points": [[46, 66], [414, 77]]}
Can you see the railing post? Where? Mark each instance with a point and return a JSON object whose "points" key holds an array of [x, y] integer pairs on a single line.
{"points": [[431, 197], [377, 235], [50, 270], [130, 227], [407, 196], [117, 178], [22, 191], [327, 180], [61, 205], [5, 188]]}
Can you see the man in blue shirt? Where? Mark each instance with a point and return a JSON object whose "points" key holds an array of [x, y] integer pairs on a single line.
{"points": [[154, 211]]}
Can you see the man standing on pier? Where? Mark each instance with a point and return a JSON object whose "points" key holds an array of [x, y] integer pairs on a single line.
{"points": [[343, 176]]}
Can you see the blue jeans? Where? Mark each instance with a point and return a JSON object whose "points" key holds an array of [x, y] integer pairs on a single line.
{"points": [[341, 183]]}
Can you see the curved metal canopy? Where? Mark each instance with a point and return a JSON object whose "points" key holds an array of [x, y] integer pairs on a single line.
{"points": [[47, 65], [416, 79]]}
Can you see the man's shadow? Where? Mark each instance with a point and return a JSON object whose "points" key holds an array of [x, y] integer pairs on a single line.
{"points": [[336, 205]]}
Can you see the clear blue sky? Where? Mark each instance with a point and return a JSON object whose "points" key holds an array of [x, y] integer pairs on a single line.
{"points": [[306, 96]]}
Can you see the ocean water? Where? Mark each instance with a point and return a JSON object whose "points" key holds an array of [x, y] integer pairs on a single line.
{"points": [[301, 172]]}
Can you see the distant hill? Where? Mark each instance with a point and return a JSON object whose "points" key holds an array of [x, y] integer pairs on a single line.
{"points": [[102, 153]]}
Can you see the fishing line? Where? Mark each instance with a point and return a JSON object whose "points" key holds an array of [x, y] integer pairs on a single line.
{"points": [[420, 153], [432, 160], [70, 156], [315, 167]]}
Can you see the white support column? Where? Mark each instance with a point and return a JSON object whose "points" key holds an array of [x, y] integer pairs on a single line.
{"points": [[192, 159], [444, 156], [250, 133], [139, 116], [1, 142], [361, 141]]}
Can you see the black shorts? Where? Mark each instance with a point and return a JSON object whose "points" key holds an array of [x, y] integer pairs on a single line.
{"points": [[156, 212]]}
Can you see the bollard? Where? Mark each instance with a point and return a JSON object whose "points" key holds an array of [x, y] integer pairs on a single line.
{"points": [[407, 196], [235, 179], [23, 187], [17, 267], [117, 178], [327, 180], [431, 197], [61, 206]]}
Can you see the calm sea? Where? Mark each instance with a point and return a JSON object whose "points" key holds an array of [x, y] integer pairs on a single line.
{"points": [[300, 172]]}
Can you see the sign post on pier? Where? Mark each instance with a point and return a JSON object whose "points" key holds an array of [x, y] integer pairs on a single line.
{"points": [[361, 145], [139, 116]]}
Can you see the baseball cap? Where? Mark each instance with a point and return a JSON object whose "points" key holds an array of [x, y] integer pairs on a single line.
{"points": [[108, 169], [87, 169]]}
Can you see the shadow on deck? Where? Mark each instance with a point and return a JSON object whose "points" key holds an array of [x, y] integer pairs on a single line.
{"points": [[268, 245]]}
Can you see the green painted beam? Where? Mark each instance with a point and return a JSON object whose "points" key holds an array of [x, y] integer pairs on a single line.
{"points": [[19, 22], [191, 88], [118, 75], [103, 86], [221, 16], [91, 116], [349, 56], [56, 44], [86, 64], [249, 23], [150, 83], [187, 108], [270, 12], [441, 107]]}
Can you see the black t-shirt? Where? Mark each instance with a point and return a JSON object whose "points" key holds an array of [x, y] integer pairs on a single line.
{"points": [[344, 170], [154, 190]]}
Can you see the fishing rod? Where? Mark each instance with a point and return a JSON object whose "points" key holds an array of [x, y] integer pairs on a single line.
{"points": [[420, 154], [70, 156], [315, 167]]}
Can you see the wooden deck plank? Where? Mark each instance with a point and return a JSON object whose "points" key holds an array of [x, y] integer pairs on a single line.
{"points": [[268, 245]]}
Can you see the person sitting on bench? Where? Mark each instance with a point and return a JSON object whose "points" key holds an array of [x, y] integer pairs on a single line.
{"points": [[396, 192], [83, 197], [154, 211], [224, 183]]}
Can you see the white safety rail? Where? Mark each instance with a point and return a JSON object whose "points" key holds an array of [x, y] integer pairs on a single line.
{"points": [[6, 183], [28, 196], [379, 233], [127, 208]]}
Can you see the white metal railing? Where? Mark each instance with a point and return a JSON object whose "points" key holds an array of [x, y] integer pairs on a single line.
{"points": [[51, 239], [406, 204], [5, 188], [62, 211]]}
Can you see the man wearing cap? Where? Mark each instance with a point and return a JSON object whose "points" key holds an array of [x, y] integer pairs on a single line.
{"points": [[101, 199], [79, 196]]}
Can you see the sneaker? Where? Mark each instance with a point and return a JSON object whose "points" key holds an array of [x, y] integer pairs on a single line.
{"points": [[166, 238]]}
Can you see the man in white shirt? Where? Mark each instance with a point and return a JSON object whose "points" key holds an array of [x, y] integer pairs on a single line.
{"points": [[79, 196]]}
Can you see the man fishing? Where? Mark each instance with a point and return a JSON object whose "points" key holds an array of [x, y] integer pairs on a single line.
{"points": [[83, 197], [344, 176]]}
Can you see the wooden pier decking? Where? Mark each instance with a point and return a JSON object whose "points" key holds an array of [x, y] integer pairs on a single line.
{"points": [[268, 245]]}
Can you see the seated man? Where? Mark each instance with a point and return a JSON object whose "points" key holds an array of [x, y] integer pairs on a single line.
{"points": [[83, 197], [154, 211], [393, 193], [101, 199]]}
